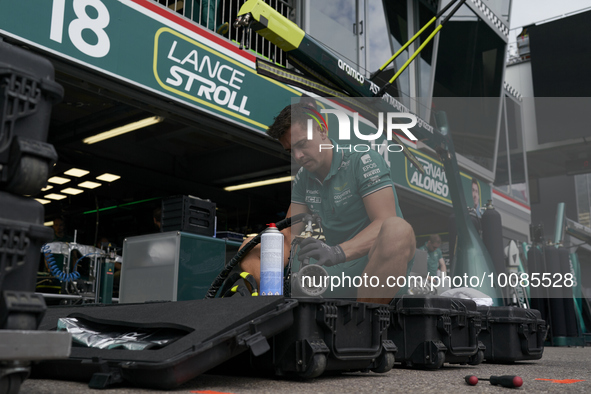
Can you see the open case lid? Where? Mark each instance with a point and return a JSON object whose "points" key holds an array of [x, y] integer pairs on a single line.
{"points": [[216, 330]]}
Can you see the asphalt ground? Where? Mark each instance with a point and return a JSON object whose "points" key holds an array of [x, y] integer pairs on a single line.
{"points": [[570, 368]]}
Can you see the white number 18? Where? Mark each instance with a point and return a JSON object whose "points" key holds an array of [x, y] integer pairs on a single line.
{"points": [[83, 22]]}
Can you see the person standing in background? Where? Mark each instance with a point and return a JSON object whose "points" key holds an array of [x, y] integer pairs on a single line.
{"points": [[476, 197], [157, 215], [435, 260], [59, 235], [59, 231]]}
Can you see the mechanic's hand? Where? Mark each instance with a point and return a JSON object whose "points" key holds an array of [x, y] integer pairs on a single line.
{"points": [[321, 252]]}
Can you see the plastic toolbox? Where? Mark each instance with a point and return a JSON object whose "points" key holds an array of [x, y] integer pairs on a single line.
{"points": [[211, 331], [432, 330], [21, 236], [512, 334], [27, 92], [327, 335]]}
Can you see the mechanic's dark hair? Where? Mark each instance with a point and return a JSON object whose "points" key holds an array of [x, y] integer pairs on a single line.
{"points": [[296, 113]]}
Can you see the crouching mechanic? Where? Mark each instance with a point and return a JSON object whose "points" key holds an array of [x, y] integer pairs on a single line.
{"points": [[354, 196]]}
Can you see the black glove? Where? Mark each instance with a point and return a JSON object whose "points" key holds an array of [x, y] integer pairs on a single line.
{"points": [[321, 252]]}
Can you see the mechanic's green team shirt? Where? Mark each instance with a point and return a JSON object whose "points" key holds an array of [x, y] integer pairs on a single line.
{"points": [[338, 199], [432, 259]]}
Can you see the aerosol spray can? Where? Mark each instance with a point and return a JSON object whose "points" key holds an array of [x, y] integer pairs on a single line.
{"points": [[271, 261]]}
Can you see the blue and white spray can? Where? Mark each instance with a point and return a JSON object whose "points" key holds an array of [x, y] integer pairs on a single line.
{"points": [[271, 261]]}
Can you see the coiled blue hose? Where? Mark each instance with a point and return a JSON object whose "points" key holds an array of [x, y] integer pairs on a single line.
{"points": [[55, 271]]}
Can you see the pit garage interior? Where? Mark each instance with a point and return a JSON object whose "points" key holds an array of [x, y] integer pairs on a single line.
{"points": [[183, 154]]}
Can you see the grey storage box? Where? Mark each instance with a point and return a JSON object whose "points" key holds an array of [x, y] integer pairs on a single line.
{"points": [[170, 266]]}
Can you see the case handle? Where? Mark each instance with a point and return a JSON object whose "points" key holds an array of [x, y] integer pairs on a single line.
{"points": [[524, 335]]}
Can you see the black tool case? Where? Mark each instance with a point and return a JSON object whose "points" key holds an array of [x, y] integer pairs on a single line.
{"points": [[214, 330], [512, 334], [327, 335], [22, 234], [431, 330], [188, 214], [27, 92]]}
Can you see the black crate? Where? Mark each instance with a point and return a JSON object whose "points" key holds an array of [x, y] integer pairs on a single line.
{"points": [[327, 335], [21, 236], [188, 214], [27, 92], [230, 236], [432, 330], [512, 334]]}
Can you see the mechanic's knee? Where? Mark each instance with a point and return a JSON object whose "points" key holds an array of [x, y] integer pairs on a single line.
{"points": [[249, 263], [247, 240], [399, 235]]}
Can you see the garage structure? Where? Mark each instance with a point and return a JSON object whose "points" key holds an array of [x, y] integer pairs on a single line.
{"points": [[172, 64]]}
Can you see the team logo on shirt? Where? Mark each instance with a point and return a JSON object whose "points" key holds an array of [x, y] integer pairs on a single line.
{"points": [[369, 167], [372, 173], [340, 188], [344, 165], [372, 181], [346, 194]]}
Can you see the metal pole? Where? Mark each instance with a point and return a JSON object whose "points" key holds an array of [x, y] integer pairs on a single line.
{"points": [[559, 224]]}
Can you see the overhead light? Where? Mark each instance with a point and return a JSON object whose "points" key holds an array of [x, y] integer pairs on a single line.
{"points": [[72, 191], [46, 188], [123, 129], [106, 177], [259, 183], [58, 180], [89, 185], [77, 172], [55, 196], [48, 224], [43, 201]]}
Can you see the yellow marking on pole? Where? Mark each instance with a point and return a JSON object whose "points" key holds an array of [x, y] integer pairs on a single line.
{"points": [[416, 53], [408, 43]]}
